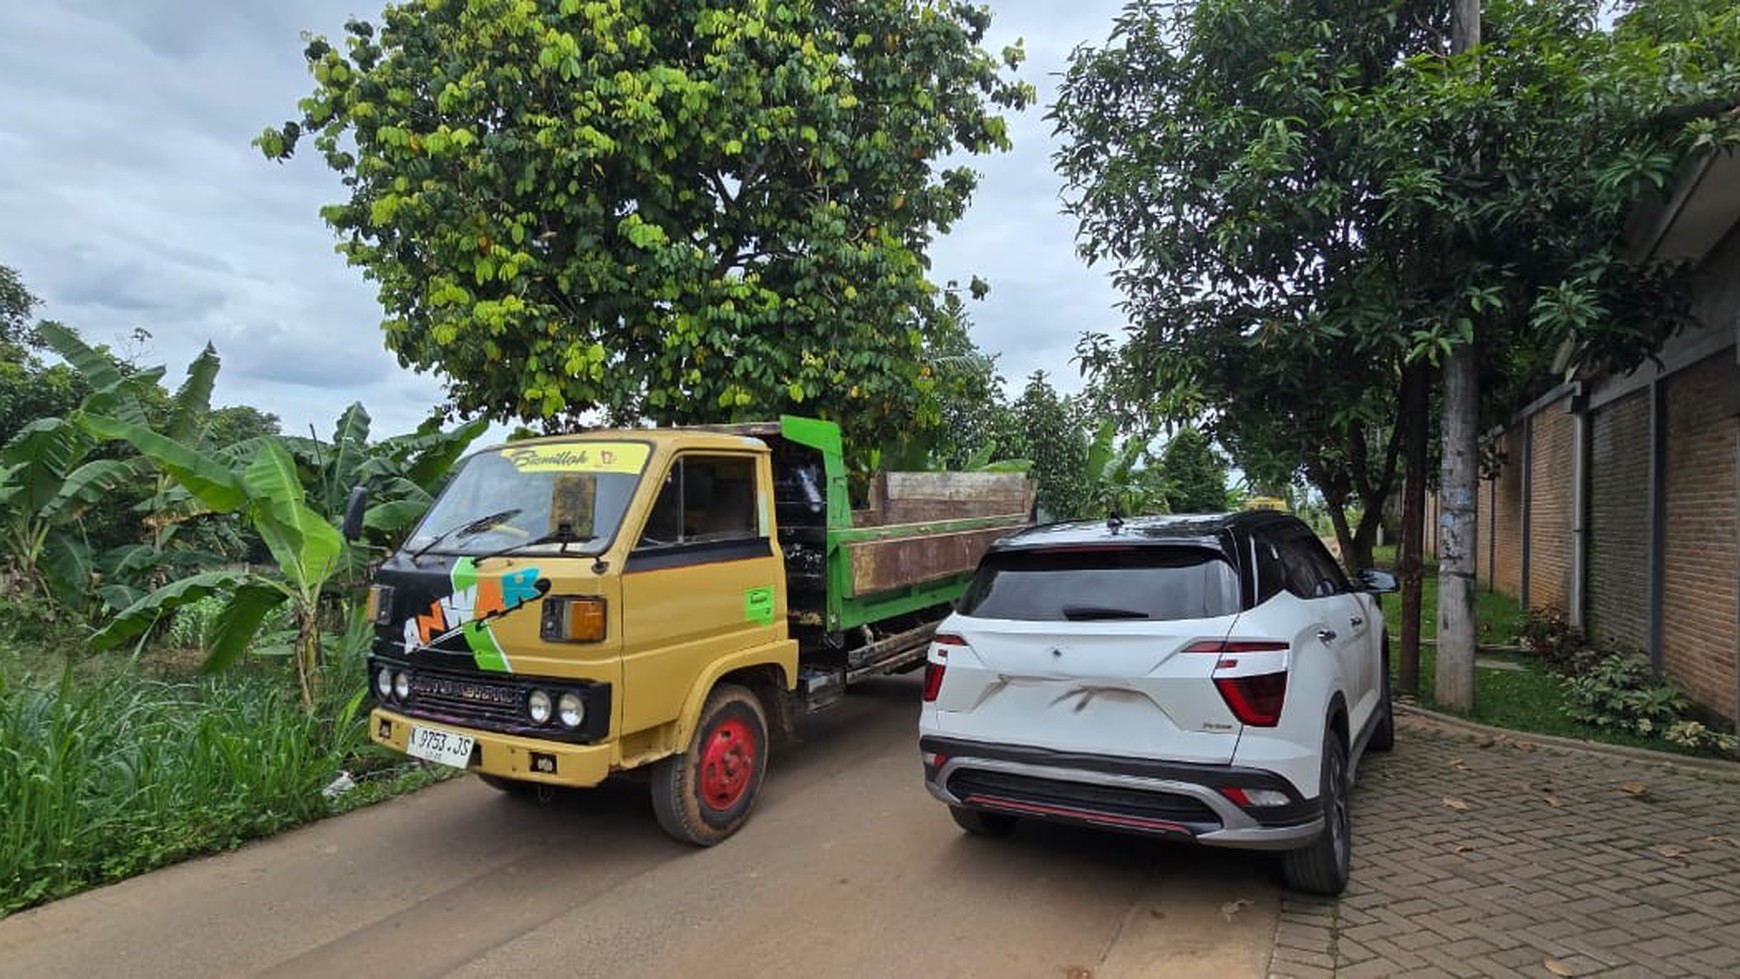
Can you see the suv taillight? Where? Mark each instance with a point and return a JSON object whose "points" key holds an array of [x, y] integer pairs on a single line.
{"points": [[1251, 676], [933, 670], [1254, 700]]}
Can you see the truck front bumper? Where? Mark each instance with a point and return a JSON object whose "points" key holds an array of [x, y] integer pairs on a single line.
{"points": [[505, 755]]}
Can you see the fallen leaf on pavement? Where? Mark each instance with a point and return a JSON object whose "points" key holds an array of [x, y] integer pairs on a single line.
{"points": [[1459, 764], [1451, 803], [1489, 742], [1231, 908], [1557, 968], [1461, 848], [1671, 852], [1733, 841], [1078, 972], [1551, 800], [1636, 789], [1524, 746]]}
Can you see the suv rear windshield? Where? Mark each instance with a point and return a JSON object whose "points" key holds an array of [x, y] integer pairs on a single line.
{"points": [[1154, 583]]}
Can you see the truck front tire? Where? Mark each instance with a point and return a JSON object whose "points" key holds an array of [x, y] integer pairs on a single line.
{"points": [[704, 794]]}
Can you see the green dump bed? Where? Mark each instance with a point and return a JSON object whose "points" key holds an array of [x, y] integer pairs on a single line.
{"points": [[912, 548]]}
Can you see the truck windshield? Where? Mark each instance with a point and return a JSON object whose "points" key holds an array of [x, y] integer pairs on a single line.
{"points": [[564, 491]]}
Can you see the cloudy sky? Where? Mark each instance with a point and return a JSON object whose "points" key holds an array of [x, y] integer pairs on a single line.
{"points": [[130, 199]]}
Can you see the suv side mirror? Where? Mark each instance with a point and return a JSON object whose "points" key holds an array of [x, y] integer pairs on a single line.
{"points": [[1378, 582], [353, 512]]}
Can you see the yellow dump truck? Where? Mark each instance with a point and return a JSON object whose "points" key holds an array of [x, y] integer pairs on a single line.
{"points": [[662, 599]]}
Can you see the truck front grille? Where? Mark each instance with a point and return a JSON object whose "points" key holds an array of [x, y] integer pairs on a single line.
{"points": [[493, 702]]}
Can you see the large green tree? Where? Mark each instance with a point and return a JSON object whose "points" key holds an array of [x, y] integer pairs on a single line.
{"points": [[1306, 204], [683, 210], [1195, 473], [1052, 431]]}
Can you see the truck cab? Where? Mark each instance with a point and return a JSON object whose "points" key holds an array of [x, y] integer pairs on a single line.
{"points": [[667, 599]]}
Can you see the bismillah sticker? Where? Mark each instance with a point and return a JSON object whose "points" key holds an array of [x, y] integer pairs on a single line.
{"points": [[468, 611]]}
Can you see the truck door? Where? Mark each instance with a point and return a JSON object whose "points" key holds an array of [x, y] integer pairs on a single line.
{"points": [[704, 580]]}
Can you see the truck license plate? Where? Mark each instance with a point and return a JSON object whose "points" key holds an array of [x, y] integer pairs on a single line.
{"points": [[442, 747]]}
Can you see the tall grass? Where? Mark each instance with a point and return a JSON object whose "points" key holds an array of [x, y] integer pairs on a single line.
{"points": [[102, 779]]}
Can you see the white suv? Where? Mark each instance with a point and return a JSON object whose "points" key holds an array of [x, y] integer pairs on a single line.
{"points": [[1206, 678]]}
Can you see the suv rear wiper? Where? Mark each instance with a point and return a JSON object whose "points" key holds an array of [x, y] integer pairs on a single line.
{"points": [[563, 535], [1086, 613], [467, 529]]}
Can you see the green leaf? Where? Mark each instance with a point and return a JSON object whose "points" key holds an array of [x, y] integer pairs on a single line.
{"points": [[394, 517], [209, 480], [248, 606], [192, 402], [304, 544], [146, 612]]}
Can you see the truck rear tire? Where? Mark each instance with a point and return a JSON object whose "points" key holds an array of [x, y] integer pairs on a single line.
{"points": [[704, 794]]}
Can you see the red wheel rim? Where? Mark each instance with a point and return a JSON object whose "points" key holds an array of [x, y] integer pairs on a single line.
{"points": [[727, 762]]}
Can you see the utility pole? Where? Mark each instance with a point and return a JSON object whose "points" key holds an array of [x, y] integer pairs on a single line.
{"points": [[1460, 478]]}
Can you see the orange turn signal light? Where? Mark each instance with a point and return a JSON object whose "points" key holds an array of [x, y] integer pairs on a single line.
{"points": [[573, 619]]}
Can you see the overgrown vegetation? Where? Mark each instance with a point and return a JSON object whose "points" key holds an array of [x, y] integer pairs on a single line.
{"points": [[109, 768], [181, 537], [1562, 686]]}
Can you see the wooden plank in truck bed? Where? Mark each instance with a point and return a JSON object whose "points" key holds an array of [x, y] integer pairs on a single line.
{"points": [[914, 497], [897, 562]]}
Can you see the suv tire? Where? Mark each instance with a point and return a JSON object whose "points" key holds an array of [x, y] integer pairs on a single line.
{"points": [[981, 823], [1383, 737], [1322, 866]]}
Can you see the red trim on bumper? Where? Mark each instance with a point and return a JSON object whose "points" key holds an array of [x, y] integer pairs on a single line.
{"points": [[1085, 815]]}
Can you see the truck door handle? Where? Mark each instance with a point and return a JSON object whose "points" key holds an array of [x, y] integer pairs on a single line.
{"points": [[1326, 635], [1356, 622]]}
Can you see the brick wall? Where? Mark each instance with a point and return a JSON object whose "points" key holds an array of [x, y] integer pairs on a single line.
{"points": [[1618, 529], [1698, 588], [1550, 506]]}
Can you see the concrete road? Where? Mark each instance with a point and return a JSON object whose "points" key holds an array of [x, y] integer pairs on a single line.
{"points": [[848, 868]]}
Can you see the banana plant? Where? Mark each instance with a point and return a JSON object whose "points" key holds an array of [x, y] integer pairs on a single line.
{"points": [[51, 476], [1117, 479], [268, 493], [291, 492]]}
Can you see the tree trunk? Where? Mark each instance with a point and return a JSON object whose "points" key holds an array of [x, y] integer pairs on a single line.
{"points": [[1358, 557], [1416, 399], [1460, 482], [1344, 539]]}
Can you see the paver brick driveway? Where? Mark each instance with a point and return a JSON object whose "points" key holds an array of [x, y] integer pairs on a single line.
{"points": [[1476, 856]]}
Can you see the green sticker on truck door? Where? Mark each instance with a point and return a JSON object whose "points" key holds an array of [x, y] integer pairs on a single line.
{"points": [[758, 605]]}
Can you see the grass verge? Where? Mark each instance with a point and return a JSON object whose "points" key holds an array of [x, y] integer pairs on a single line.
{"points": [[1515, 691], [107, 771]]}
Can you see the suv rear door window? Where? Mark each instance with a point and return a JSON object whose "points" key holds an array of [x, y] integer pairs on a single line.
{"points": [[1152, 583]]}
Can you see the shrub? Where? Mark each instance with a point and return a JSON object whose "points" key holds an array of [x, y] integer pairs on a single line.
{"points": [[1621, 692], [1548, 634]]}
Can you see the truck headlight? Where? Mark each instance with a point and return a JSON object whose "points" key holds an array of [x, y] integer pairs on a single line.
{"points": [[571, 710], [538, 707], [384, 683], [402, 685]]}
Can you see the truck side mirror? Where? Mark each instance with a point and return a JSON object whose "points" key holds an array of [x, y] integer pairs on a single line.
{"points": [[354, 508]]}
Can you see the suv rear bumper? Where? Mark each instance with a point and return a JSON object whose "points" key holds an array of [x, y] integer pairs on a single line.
{"points": [[1172, 800]]}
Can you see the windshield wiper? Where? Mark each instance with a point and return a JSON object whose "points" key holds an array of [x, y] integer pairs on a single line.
{"points": [[467, 529], [1086, 613], [563, 535]]}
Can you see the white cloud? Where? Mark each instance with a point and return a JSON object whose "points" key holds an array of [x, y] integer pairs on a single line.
{"points": [[131, 198]]}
